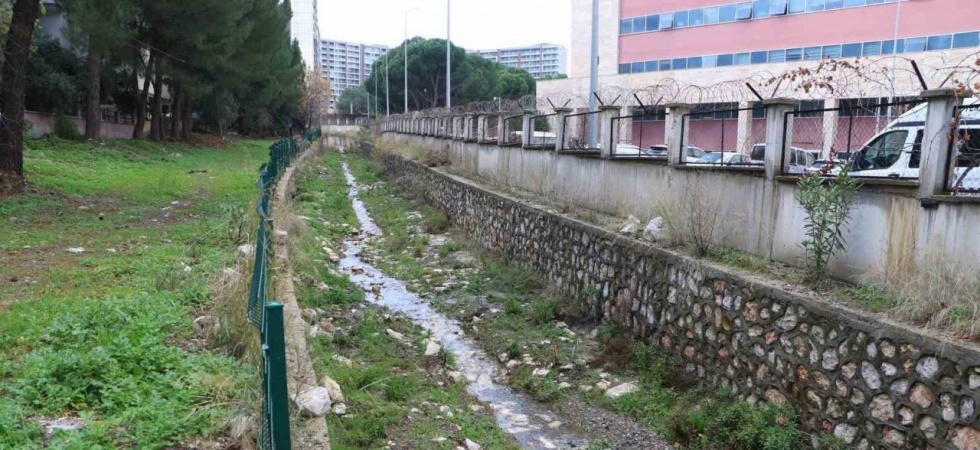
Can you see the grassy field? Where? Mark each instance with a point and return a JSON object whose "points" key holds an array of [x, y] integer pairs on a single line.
{"points": [[106, 260], [397, 398]]}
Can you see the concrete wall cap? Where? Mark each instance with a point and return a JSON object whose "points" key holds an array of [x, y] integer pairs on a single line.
{"points": [[945, 92], [678, 105], [563, 110], [779, 101], [610, 107]]}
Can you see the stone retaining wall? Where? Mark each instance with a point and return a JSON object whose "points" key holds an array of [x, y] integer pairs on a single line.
{"points": [[872, 383]]}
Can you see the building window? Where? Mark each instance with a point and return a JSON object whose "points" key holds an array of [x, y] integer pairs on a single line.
{"points": [[694, 63], [625, 26], [666, 21], [915, 44], [665, 65], [871, 49], [744, 11], [809, 108], [726, 13], [777, 56], [709, 61], [725, 60], [679, 63], [831, 51], [778, 8], [851, 50], [794, 54], [680, 19], [941, 42], [797, 6], [835, 4], [887, 47], [759, 57], [760, 9], [742, 59], [696, 17], [653, 22], [639, 25], [624, 68], [650, 66], [815, 5], [711, 15], [812, 53], [963, 40]]}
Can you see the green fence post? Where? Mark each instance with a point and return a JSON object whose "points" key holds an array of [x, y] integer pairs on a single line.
{"points": [[276, 393]]}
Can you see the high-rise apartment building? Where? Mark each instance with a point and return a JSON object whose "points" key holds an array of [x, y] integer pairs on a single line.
{"points": [[305, 29], [542, 60], [347, 64]]}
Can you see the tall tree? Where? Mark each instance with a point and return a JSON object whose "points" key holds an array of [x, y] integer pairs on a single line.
{"points": [[354, 100], [316, 99], [16, 53], [99, 26]]}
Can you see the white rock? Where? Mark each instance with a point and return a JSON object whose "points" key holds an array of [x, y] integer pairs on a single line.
{"points": [[336, 395], [76, 250], [564, 385], [470, 445], [432, 348], [322, 287], [455, 376], [447, 411], [632, 225], [653, 231], [313, 401], [621, 390], [540, 372], [395, 335], [502, 358], [309, 315], [342, 360], [246, 249], [61, 424], [205, 325], [339, 409], [603, 385], [239, 426]]}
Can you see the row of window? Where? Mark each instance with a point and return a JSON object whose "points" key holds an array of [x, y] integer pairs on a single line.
{"points": [[757, 9], [852, 50], [858, 107]]}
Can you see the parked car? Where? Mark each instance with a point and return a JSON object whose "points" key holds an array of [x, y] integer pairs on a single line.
{"points": [[799, 159], [692, 155], [724, 159]]}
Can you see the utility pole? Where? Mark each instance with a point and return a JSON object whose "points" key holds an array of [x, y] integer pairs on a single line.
{"points": [[594, 76], [449, 76], [891, 95], [405, 47], [387, 87]]}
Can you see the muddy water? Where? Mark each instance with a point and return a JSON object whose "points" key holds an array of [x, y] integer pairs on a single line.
{"points": [[532, 425]]}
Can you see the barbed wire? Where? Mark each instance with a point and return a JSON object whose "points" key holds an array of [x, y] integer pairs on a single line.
{"points": [[887, 76]]}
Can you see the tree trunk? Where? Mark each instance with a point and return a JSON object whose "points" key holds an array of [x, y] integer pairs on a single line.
{"points": [[143, 97], [156, 113], [93, 115], [186, 117], [175, 111], [16, 54]]}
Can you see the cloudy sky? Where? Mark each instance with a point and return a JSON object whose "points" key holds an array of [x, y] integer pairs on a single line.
{"points": [[476, 24]]}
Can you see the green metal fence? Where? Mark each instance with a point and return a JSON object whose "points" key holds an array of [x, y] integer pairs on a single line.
{"points": [[265, 314]]}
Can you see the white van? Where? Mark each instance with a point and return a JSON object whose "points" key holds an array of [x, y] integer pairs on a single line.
{"points": [[896, 152]]}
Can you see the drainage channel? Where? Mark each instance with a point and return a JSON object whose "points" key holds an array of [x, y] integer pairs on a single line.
{"points": [[534, 426]]}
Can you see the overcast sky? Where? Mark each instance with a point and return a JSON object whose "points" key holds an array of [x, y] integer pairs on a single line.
{"points": [[476, 24]]}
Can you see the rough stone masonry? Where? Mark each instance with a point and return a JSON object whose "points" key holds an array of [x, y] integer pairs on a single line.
{"points": [[872, 383]]}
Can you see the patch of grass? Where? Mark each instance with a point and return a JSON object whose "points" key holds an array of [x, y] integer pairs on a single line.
{"points": [[870, 297], [105, 334], [448, 249], [740, 260]]}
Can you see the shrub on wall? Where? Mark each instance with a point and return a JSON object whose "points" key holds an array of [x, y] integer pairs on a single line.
{"points": [[827, 203], [65, 128]]}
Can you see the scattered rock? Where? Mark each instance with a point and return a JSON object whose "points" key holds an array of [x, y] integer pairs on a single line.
{"points": [[446, 411], [336, 395], [313, 401], [322, 287], [395, 335], [631, 226], [540, 372], [342, 360], [339, 409], [246, 249], [432, 348], [239, 427], [51, 426], [455, 376], [603, 385], [314, 331], [653, 231], [327, 326], [76, 250], [621, 390], [470, 445], [205, 325], [309, 315]]}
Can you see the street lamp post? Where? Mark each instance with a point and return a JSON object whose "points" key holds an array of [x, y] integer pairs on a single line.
{"points": [[594, 76], [448, 57], [387, 87]]}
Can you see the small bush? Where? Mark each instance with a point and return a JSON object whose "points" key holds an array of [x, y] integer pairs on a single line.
{"points": [[828, 208], [64, 128], [542, 311], [512, 306], [695, 218], [939, 294], [617, 344]]}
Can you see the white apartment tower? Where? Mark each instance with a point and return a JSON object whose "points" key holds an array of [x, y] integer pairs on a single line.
{"points": [[305, 29], [542, 60], [347, 64]]}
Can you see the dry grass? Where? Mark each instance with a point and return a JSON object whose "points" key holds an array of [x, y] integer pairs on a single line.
{"points": [[696, 218], [939, 295]]}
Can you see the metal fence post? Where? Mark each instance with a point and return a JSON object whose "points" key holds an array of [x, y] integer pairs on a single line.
{"points": [[779, 134], [277, 394], [676, 132], [937, 165]]}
